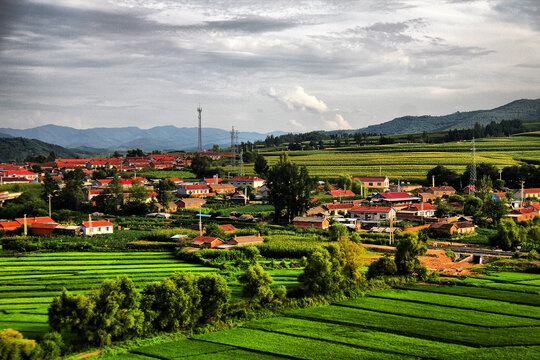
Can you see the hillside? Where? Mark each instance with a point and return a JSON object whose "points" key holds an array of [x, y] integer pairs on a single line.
{"points": [[160, 137], [519, 109], [18, 148]]}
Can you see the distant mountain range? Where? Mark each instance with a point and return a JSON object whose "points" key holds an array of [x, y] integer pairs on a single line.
{"points": [[519, 109], [156, 138]]}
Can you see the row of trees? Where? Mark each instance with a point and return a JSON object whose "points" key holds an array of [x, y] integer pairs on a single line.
{"points": [[493, 129]]}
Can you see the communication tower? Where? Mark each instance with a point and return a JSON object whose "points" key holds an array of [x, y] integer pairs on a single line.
{"points": [[473, 164], [199, 146]]}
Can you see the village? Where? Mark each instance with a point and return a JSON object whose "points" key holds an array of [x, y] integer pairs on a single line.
{"points": [[379, 206]]}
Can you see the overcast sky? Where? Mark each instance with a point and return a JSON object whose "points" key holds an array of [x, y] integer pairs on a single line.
{"points": [[261, 65]]}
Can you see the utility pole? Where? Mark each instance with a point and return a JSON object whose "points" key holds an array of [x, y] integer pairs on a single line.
{"points": [[522, 193], [25, 232], [473, 165], [49, 196]]}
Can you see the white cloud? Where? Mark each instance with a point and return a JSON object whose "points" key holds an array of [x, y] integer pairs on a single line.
{"points": [[299, 100], [339, 123]]}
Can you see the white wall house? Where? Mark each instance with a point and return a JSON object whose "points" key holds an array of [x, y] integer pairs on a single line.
{"points": [[90, 228]]}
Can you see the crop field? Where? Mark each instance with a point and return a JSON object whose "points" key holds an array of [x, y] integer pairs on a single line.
{"points": [[396, 323], [30, 282], [412, 161]]}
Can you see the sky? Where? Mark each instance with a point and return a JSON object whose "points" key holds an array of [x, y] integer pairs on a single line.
{"points": [[261, 66]]}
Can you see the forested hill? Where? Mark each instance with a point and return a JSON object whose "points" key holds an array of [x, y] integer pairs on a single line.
{"points": [[519, 109], [18, 148]]}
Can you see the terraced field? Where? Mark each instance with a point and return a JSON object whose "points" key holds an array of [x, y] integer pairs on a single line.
{"points": [[427, 321], [29, 283], [412, 161]]}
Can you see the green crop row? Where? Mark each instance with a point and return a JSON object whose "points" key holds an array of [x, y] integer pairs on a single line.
{"points": [[423, 328], [460, 302]]}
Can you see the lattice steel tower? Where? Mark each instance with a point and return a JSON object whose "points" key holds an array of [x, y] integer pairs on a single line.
{"points": [[473, 164], [199, 146]]}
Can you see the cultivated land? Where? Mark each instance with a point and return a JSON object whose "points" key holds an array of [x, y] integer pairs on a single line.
{"points": [[412, 161], [430, 321], [30, 282]]}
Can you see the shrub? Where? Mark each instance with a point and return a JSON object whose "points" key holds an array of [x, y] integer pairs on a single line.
{"points": [[256, 284], [14, 347], [384, 266], [51, 346]]}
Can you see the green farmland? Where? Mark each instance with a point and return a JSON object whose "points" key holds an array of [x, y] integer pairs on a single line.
{"points": [[30, 282], [427, 321], [411, 161]]}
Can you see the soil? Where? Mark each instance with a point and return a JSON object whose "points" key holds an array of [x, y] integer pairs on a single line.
{"points": [[438, 260]]}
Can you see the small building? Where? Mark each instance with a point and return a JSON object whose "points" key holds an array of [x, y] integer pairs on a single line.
{"points": [[9, 225], [527, 193], [254, 181], [239, 197], [469, 190], [313, 222], [190, 203], [442, 191], [317, 211], [227, 228], [373, 213], [208, 241], [522, 214], [339, 193], [334, 208], [447, 228], [373, 182], [427, 197], [171, 207], [465, 227], [34, 220], [99, 227], [395, 198], [246, 240], [43, 228], [193, 190], [222, 189], [418, 210]]}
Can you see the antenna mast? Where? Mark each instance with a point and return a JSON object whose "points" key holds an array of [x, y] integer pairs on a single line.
{"points": [[473, 165], [233, 149], [199, 146]]}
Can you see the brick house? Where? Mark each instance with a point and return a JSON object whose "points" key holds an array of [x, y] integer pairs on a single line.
{"points": [[209, 241], [313, 222], [193, 190], [527, 193], [523, 214], [442, 191], [190, 203], [246, 240], [373, 182], [222, 189], [254, 181], [90, 228]]}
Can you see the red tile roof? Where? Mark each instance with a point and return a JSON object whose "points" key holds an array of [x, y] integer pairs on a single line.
{"points": [[33, 220], [371, 209], [442, 188], [395, 195], [9, 225], [17, 173], [246, 178], [97, 223], [369, 178], [341, 193], [531, 191], [205, 239], [195, 187], [338, 206]]}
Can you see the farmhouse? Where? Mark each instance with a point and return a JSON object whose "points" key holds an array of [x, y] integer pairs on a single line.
{"points": [[208, 241], [28, 175], [373, 182], [34, 220], [254, 181], [339, 192], [222, 189], [90, 228], [313, 222], [43, 228], [227, 228], [190, 203], [523, 214], [334, 208], [171, 207], [395, 198], [246, 240], [373, 213], [442, 191], [193, 190], [419, 210], [527, 193]]}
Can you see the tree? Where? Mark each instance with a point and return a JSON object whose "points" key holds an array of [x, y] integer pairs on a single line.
{"points": [[495, 209], [482, 169], [473, 207], [215, 295], [165, 192], [212, 229], [72, 194], [261, 166], [201, 165], [290, 188], [337, 232], [407, 252], [443, 210], [443, 176], [135, 153], [384, 266], [171, 303], [50, 186], [344, 182], [509, 235], [484, 187], [14, 346], [256, 284], [137, 200], [323, 273]]}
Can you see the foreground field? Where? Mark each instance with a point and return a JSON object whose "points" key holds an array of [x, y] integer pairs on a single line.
{"points": [[412, 161], [429, 321], [30, 282]]}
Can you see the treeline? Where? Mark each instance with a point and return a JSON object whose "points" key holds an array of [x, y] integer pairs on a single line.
{"points": [[493, 129], [315, 139]]}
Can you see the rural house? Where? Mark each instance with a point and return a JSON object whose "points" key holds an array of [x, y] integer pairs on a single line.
{"points": [[312, 222], [373, 213], [208, 241], [190, 203], [246, 240], [442, 191], [194, 190], [373, 182], [527, 193], [90, 228]]}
